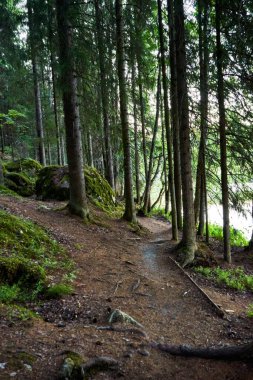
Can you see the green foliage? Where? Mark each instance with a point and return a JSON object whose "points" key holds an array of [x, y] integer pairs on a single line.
{"points": [[27, 166], [250, 311], [160, 212], [236, 237], [233, 278], [28, 258], [58, 290], [9, 293], [16, 312], [5, 191]]}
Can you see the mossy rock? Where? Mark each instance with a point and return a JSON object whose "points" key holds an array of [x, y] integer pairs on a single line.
{"points": [[27, 166], [20, 183], [53, 183]]}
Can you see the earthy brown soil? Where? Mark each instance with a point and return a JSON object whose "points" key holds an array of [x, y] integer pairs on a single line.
{"points": [[118, 269]]}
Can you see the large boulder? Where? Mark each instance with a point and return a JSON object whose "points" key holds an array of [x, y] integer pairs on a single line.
{"points": [[19, 183], [20, 175], [53, 183], [27, 166]]}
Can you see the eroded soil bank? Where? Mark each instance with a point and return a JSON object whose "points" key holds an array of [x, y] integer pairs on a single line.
{"points": [[118, 269]]}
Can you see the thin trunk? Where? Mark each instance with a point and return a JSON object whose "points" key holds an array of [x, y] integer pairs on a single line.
{"points": [[36, 85], [174, 114], [136, 149], [52, 64], [104, 95], [222, 128], [167, 125], [129, 214], [188, 238], [78, 201], [1, 174], [152, 148], [166, 191], [200, 190]]}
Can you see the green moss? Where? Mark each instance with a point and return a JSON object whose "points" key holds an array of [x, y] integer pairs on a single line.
{"points": [[19, 269], [19, 183], [250, 311], [5, 191], [27, 166], [53, 183], [59, 290], [28, 255], [16, 313]]}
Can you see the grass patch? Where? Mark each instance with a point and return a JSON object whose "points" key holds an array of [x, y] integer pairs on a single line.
{"points": [[160, 212], [5, 191], [29, 261], [59, 290], [233, 278], [250, 311], [236, 237]]}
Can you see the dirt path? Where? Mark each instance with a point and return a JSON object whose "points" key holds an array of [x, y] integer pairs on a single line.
{"points": [[118, 270]]}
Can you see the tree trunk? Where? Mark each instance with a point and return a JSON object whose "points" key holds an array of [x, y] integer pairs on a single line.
{"points": [[52, 63], [78, 201], [136, 150], [36, 86], [152, 148], [222, 128], [188, 238], [129, 214], [104, 95], [200, 190], [166, 190], [1, 174], [167, 125], [174, 114]]}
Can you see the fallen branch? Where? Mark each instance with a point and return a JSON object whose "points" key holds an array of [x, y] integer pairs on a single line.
{"points": [[243, 351], [217, 308], [136, 285]]}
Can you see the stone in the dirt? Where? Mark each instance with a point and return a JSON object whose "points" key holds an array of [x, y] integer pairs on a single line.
{"points": [[2, 365], [119, 316], [143, 352]]}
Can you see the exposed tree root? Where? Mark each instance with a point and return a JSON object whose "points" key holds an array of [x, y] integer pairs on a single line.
{"points": [[244, 351]]}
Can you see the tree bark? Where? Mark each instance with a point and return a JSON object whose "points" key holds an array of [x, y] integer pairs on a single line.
{"points": [[167, 125], [78, 201], [136, 150], [222, 129], [104, 95], [174, 114], [188, 238], [52, 63], [129, 213], [152, 148], [36, 87], [201, 190]]}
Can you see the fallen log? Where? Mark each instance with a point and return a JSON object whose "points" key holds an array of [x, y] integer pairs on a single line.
{"points": [[238, 352]]}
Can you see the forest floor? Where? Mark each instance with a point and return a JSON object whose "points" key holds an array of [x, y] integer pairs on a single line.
{"points": [[118, 269]]}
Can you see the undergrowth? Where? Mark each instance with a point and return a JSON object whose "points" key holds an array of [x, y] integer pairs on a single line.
{"points": [[160, 212], [250, 311], [233, 278], [29, 261], [237, 238]]}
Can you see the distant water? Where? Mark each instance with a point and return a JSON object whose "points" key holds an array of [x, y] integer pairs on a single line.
{"points": [[242, 222]]}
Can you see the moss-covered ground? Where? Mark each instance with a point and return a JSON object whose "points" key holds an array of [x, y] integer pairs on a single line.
{"points": [[32, 264]]}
